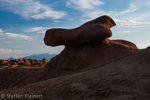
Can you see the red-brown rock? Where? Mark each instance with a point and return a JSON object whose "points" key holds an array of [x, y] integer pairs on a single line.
{"points": [[90, 32]]}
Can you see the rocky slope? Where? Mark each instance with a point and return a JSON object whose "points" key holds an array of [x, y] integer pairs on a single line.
{"points": [[127, 78]]}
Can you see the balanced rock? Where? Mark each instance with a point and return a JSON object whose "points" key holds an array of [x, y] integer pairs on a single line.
{"points": [[90, 32]]}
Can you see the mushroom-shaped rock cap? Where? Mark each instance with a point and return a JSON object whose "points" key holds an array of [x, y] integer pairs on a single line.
{"points": [[90, 32]]}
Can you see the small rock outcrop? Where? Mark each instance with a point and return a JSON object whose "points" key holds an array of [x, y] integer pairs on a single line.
{"points": [[23, 62]]}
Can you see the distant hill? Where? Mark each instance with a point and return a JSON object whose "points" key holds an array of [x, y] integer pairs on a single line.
{"points": [[38, 57], [11, 58]]}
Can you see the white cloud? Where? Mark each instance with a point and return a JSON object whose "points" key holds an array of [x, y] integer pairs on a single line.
{"points": [[125, 18], [32, 9], [131, 23], [144, 16], [1, 31], [14, 36], [35, 29], [95, 14], [84, 4], [127, 32], [130, 31], [49, 13], [134, 6], [41, 31], [55, 21], [17, 36], [6, 53]]}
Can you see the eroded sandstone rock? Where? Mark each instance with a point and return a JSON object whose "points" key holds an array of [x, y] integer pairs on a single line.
{"points": [[86, 47]]}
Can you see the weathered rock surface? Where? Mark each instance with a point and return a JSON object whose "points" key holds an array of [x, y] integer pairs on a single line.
{"points": [[90, 32], [127, 78], [18, 76]]}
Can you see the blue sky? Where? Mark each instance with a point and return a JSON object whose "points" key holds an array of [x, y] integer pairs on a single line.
{"points": [[23, 22]]}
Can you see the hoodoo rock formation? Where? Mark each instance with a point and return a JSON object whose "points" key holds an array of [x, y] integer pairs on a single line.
{"points": [[85, 46]]}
